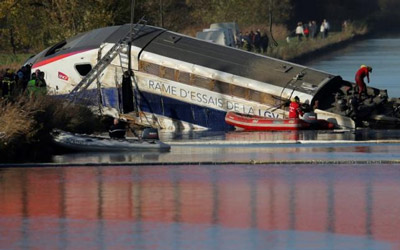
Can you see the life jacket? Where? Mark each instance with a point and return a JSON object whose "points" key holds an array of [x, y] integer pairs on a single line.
{"points": [[294, 110], [32, 86], [361, 73]]}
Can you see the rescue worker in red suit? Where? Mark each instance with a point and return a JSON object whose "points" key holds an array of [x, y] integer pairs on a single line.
{"points": [[360, 75], [294, 108]]}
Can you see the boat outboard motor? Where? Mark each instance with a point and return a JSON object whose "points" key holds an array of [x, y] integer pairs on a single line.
{"points": [[309, 115], [150, 133], [353, 110]]}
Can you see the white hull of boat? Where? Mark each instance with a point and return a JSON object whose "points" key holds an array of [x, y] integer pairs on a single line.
{"points": [[79, 142]]}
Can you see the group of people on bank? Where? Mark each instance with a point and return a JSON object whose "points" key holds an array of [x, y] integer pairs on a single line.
{"points": [[14, 83], [258, 42], [253, 41], [311, 30]]}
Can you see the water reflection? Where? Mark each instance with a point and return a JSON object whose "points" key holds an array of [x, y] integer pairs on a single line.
{"points": [[214, 146], [201, 207], [303, 135], [289, 136], [259, 153]]}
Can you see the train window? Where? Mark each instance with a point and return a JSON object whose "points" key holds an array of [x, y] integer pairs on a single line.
{"points": [[255, 95], [169, 74], [150, 68], [222, 87], [263, 98], [143, 65], [269, 99], [184, 77], [55, 48], [239, 91], [83, 69], [202, 82]]}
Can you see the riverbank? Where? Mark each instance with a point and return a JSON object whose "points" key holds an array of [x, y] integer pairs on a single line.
{"points": [[11, 61], [327, 48], [26, 123], [301, 51]]}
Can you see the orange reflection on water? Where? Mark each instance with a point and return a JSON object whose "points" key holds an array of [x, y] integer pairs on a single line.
{"points": [[349, 200]]}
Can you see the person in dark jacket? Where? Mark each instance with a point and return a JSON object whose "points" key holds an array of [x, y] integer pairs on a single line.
{"points": [[264, 43], [8, 83], [257, 41], [117, 130], [127, 93]]}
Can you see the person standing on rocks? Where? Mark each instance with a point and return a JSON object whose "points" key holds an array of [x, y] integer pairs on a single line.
{"points": [[362, 72]]}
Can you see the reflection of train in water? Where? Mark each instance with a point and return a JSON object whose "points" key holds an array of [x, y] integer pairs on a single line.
{"points": [[352, 201], [182, 82]]}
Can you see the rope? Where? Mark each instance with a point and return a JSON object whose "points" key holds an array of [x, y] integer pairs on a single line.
{"points": [[274, 42]]}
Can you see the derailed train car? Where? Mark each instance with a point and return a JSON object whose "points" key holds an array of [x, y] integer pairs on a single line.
{"points": [[183, 83]]}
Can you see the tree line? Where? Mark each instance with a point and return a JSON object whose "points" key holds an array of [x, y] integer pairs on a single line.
{"points": [[31, 25]]}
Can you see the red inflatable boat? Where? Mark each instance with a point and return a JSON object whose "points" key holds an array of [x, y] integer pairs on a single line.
{"points": [[258, 123]]}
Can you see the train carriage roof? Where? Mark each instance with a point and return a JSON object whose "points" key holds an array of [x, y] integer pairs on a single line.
{"points": [[180, 47], [231, 60]]}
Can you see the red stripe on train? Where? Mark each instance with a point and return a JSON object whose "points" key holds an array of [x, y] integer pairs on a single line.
{"points": [[56, 58]]}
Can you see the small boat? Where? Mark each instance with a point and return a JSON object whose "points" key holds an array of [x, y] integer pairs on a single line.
{"points": [[258, 123], [81, 142]]}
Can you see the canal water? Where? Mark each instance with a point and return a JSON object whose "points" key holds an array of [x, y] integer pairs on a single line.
{"points": [[258, 147], [382, 54], [201, 207], [196, 197]]}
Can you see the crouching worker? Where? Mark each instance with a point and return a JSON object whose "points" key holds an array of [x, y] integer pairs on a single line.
{"points": [[294, 108], [360, 75], [117, 130]]}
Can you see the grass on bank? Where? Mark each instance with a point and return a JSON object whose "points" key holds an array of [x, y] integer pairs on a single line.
{"points": [[12, 61], [26, 123]]}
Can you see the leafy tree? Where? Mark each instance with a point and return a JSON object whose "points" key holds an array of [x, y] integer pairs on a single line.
{"points": [[7, 31], [36, 24], [244, 12], [389, 13], [336, 11]]}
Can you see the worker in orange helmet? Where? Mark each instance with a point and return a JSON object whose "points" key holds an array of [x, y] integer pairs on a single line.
{"points": [[360, 75]]}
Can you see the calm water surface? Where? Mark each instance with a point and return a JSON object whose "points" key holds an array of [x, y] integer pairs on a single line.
{"points": [[383, 54], [222, 147], [201, 207]]}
